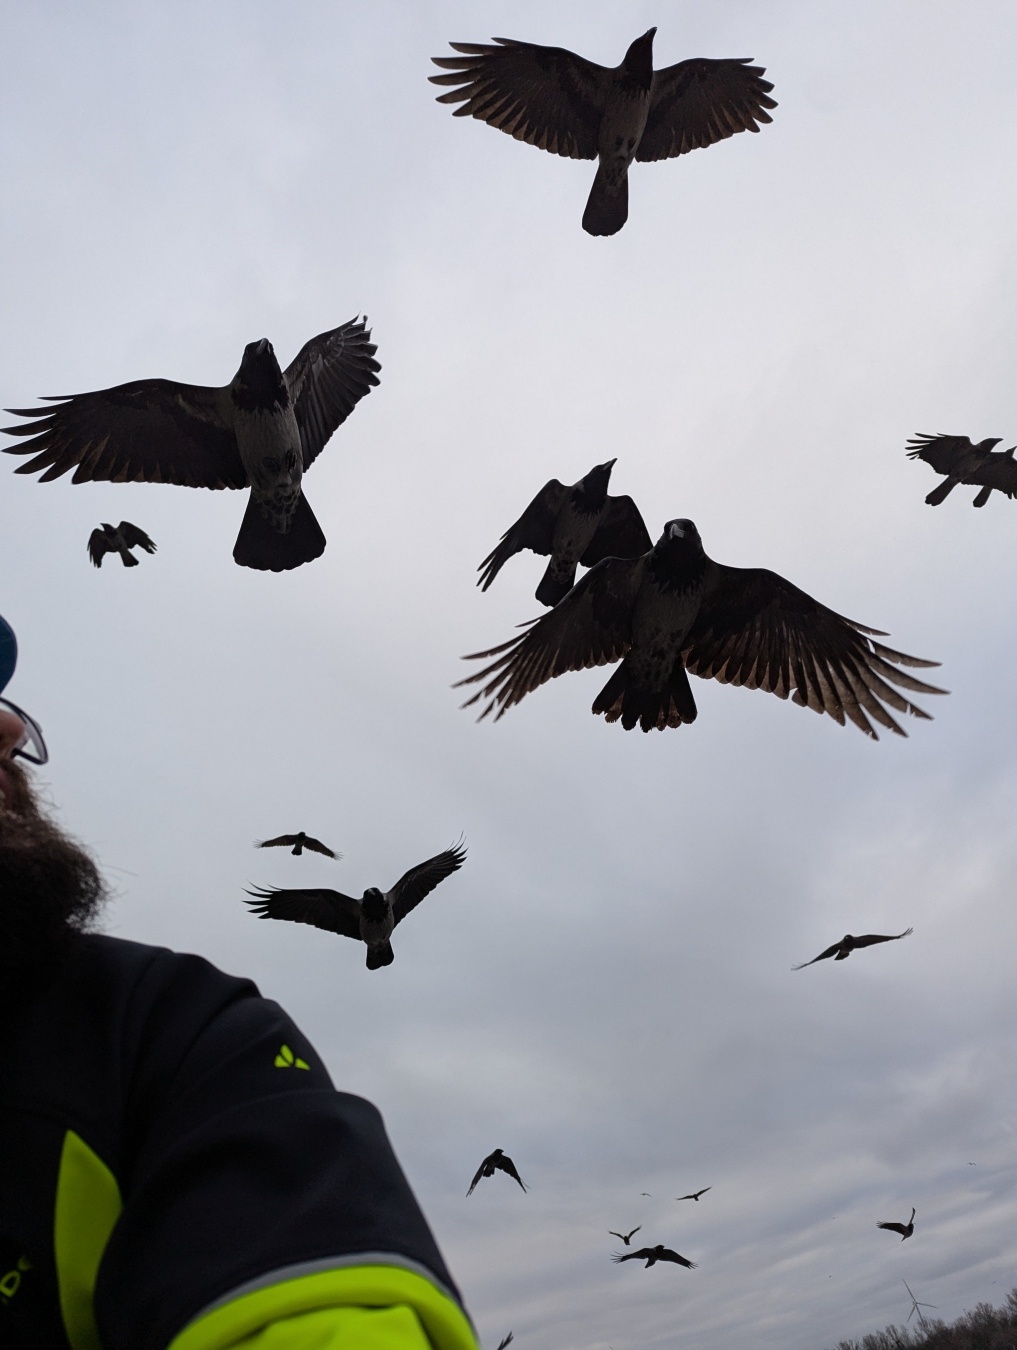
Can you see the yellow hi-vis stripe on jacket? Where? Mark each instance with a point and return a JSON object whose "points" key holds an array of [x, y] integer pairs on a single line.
{"points": [[87, 1206], [388, 1307]]}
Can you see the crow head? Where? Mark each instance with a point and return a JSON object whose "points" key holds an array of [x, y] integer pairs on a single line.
{"points": [[258, 385], [593, 489], [681, 533], [638, 63], [374, 905]]}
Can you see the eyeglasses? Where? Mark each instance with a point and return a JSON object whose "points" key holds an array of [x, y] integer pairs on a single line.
{"points": [[32, 746]]}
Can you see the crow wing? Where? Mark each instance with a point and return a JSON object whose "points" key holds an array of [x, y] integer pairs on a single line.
{"points": [[830, 951], [869, 938], [894, 1227], [327, 379], [148, 431], [331, 910], [998, 470], [98, 546], [695, 1194], [280, 841], [700, 101], [133, 537], [755, 628], [534, 530], [421, 880], [621, 533], [668, 1255], [942, 452], [506, 1164], [479, 1174], [590, 627], [545, 96], [641, 1255], [316, 846]]}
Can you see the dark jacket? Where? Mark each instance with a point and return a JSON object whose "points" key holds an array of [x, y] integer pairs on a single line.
{"points": [[173, 1152]]}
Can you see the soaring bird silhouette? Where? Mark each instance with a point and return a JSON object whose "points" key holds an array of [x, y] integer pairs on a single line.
{"points": [[263, 430], [625, 1237], [964, 462], [120, 539], [695, 1194], [496, 1162], [905, 1229], [370, 919], [653, 1255], [580, 524], [674, 611], [841, 950], [298, 842], [506, 1341], [558, 101]]}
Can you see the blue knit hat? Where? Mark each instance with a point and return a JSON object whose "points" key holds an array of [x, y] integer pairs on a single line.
{"points": [[8, 653]]}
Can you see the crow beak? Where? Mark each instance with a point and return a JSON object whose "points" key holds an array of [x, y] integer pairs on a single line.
{"points": [[262, 347], [675, 531]]}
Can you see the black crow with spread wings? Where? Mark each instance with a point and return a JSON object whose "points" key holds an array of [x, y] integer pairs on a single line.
{"points": [[964, 462], [905, 1229], [625, 1237], [120, 539], [673, 612], [370, 919], [496, 1162], [841, 950], [558, 101], [261, 431], [653, 1255], [695, 1194], [580, 524], [297, 843]]}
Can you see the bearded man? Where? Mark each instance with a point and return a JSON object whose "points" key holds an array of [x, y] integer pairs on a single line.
{"points": [[179, 1172]]}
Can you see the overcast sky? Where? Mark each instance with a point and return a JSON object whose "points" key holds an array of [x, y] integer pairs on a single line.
{"points": [[604, 990]]}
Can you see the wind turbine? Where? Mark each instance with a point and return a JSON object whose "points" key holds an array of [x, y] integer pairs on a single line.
{"points": [[917, 1307]]}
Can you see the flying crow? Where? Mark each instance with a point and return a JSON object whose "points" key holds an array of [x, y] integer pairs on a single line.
{"points": [[496, 1161], [370, 919], [841, 950], [263, 430], [964, 462], [625, 1237], [653, 1255], [674, 611], [558, 101], [119, 540], [905, 1229], [298, 842], [506, 1341], [695, 1194], [577, 524]]}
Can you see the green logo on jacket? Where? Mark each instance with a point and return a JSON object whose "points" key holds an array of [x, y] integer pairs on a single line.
{"points": [[286, 1059]]}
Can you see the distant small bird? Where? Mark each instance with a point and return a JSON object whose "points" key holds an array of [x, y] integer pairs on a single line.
{"points": [[625, 1237], [580, 524], [558, 101], [964, 462], [646, 1193], [505, 1341], [119, 540], [263, 430], [695, 1194], [653, 1255], [370, 919], [496, 1161], [674, 611], [905, 1229], [841, 950], [298, 842]]}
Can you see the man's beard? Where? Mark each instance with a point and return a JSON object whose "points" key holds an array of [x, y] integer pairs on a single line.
{"points": [[50, 892]]}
